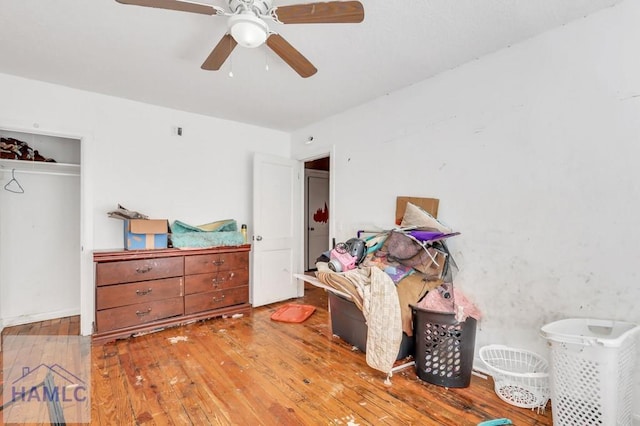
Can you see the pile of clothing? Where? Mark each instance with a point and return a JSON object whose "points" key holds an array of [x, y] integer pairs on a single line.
{"points": [[13, 149]]}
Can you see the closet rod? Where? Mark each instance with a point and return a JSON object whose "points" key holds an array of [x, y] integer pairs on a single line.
{"points": [[41, 172]]}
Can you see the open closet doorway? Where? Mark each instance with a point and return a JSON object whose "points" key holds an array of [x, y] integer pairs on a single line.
{"points": [[40, 223], [316, 215]]}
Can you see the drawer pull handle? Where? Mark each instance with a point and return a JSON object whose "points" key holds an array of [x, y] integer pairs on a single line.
{"points": [[143, 292], [144, 269], [218, 262], [218, 299], [143, 313], [217, 281]]}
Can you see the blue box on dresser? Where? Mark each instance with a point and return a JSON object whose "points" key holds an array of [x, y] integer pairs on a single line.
{"points": [[146, 234]]}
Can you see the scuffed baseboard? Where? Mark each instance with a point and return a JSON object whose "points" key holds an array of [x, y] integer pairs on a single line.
{"points": [[26, 319], [481, 369]]}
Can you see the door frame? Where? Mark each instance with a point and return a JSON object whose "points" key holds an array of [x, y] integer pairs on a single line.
{"points": [[86, 308], [307, 174], [323, 152]]}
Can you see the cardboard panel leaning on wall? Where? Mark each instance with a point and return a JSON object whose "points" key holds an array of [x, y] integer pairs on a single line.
{"points": [[430, 205]]}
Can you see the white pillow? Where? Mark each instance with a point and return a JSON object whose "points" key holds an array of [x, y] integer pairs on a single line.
{"points": [[416, 216]]}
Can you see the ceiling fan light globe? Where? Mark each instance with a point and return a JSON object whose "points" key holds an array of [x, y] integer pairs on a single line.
{"points": [[248, 30]]}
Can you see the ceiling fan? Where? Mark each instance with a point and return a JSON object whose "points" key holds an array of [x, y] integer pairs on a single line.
{"points": [[247, 26]]}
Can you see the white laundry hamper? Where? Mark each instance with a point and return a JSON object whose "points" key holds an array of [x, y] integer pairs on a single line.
{"points": [[591, 371]]}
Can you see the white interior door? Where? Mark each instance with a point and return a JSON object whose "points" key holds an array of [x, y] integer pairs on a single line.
{"points": [[317, 215], [276, 229]]}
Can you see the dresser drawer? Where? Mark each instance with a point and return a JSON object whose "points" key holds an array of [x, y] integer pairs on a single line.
{"points": [[140, 313], [217, 281], [138, 270], [215, 299], [111, 296], [206, 263]]}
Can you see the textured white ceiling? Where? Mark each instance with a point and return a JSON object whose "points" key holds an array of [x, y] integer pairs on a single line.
{"points": [[154, 56]]}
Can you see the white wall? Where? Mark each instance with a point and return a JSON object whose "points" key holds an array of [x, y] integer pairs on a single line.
{"points": [[131, 156], [533, 152]]}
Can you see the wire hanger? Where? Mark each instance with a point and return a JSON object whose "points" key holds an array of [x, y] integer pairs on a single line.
{"points": [[13, 185]]}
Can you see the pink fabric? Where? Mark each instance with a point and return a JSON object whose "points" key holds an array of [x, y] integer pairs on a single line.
{"points": [[434, 301]]}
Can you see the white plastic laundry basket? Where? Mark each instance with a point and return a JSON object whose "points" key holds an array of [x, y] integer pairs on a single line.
{"points": [[592, 364], [520, 377]]}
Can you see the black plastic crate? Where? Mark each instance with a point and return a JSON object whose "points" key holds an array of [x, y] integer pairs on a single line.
{"points": [[347, 322]]}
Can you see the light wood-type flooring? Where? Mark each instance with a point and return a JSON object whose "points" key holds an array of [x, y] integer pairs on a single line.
{"points": [[255, 371]]}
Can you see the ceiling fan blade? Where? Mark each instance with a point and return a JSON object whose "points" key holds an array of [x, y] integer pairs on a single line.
{"points": [[333, 12], [179, 5], [220, 53], [291, 56]]}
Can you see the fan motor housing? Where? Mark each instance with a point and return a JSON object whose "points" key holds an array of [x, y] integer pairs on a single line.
{"points": [[260, 7]]}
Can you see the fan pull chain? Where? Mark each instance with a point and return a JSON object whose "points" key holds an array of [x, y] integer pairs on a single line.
{"points": [[230, 60]]}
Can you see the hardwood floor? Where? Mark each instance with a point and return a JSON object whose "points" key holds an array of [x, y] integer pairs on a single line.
{"points": [[255, 371]]}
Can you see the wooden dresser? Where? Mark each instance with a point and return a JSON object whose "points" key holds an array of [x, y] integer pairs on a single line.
{"points": [[143, 290]]}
